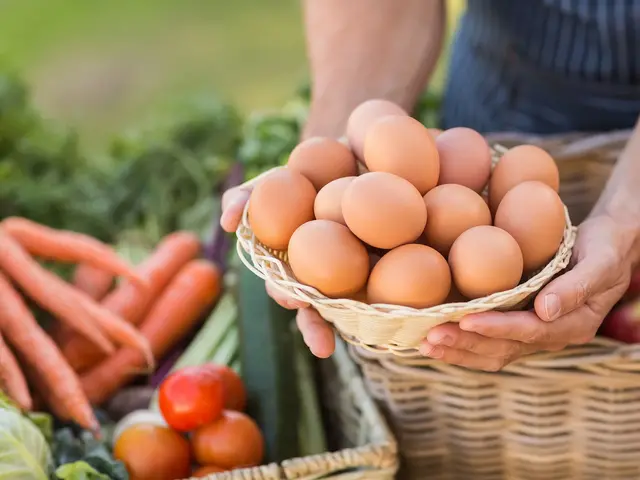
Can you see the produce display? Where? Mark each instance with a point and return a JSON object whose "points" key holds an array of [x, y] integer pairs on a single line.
{"points": [[426, 222]]}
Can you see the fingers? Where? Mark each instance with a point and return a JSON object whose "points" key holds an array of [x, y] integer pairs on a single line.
{"points": [[575, 328], [572, 289], [233, 202], [282, 298], [450, 335], [464, 358], [316, 332]]}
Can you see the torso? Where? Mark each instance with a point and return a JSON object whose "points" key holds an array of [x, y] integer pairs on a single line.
{"points": [[545, 66]]}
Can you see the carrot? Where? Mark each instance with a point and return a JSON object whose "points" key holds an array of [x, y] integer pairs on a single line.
{"points": [[48, 290], [12, 379], [172, 253], [39, 353], [94, 281], [65, 246], [171, 318]]}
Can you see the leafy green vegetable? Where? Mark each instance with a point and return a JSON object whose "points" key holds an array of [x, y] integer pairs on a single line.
{"points": [[79, 471], [24, 453]]}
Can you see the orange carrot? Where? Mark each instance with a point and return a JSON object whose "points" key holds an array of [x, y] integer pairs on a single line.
{"points": [[12, 380], [172, 317], [65, 246], [48, 290], [95, 282], [39, 353], [173, 252]]}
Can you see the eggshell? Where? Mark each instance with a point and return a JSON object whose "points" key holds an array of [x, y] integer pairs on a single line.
{"points": [[533, 214], [411, 275], [328, 204], [384, 210], [278, 205], [322, 160], [465, 158], [521, 164], [451, 210], [404, 147], [327, 256], [485, 260], [363, 116]]}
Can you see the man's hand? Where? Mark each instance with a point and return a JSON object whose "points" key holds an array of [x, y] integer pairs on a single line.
{"points": [[317, 333], [568, 311]]}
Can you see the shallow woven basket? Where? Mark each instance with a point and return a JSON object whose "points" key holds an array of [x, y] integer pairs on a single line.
{"points": [[566, 415], [382, 327], [368, 449]]}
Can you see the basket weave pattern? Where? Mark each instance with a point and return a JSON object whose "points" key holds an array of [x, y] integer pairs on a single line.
{"points": [[566, 415], [390, 328]]}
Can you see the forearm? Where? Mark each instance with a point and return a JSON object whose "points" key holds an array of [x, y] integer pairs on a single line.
{"points": [[359, 49], [620, 199]]}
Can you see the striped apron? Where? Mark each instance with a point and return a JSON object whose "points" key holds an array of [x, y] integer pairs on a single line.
{"points": [[545, 66]]}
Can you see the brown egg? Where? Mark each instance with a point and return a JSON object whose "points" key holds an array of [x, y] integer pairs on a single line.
{"points": [[384, 210], [327, 256], [465, 158], [411, 275], [521, 164], [404, 147], [322, 160], [279, 204], [363, 116], [328, 204], [533, 214], [451, 210], [435, 132], [485, 260]]}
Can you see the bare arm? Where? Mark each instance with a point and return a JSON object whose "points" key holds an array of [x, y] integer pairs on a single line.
{"points": [[620, 199], [362, 49]]}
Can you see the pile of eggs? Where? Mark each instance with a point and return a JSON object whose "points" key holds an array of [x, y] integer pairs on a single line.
{"points": [[415, 229]]}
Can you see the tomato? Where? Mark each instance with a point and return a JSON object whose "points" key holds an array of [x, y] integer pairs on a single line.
{"points": [[232, 441], [235, 394], [206, 471], [153, 452], [191, 397]]}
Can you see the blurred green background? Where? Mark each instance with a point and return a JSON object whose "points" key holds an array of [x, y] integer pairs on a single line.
{"points": [[102, 66]]}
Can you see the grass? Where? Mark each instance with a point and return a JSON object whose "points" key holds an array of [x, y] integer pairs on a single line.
{"points": [[105, 65]]}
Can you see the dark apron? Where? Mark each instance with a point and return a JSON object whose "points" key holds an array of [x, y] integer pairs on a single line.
{"points": [[545, 66]]}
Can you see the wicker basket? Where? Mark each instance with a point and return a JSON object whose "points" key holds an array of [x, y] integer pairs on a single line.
{"points": [[390, 328], [368, 449], [573, 414]]}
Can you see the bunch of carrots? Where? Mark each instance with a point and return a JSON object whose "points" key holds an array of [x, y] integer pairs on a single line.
{"points": [[107, 332]]}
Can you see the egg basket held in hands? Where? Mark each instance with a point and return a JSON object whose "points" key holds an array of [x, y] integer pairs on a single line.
{"points": [[383, 327]]}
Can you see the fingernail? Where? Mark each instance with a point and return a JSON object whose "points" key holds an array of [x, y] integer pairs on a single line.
{"points": [[432, 351], [552, 306], [440, 339]]}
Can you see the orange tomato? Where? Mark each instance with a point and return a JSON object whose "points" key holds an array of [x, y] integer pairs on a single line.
{"points": [[232, 441], [153, 452], [234, 391], [207, 470]]}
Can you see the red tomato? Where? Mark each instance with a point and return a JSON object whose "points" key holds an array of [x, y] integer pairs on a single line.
{"points": [[235, 394], [191, 397]]}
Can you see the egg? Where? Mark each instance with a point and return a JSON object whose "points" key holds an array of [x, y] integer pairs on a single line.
{"points": [[404, 147], [327, 256], [328, 204], [485, 260], [278, 205], [435, 132], [322, 160], [451, 210], [465, 158], [533, 214], [521, 164], [410, 275], [363, 116], [384, 210]]}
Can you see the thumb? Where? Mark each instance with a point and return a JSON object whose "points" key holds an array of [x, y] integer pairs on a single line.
{"points": [[571, 290]]}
